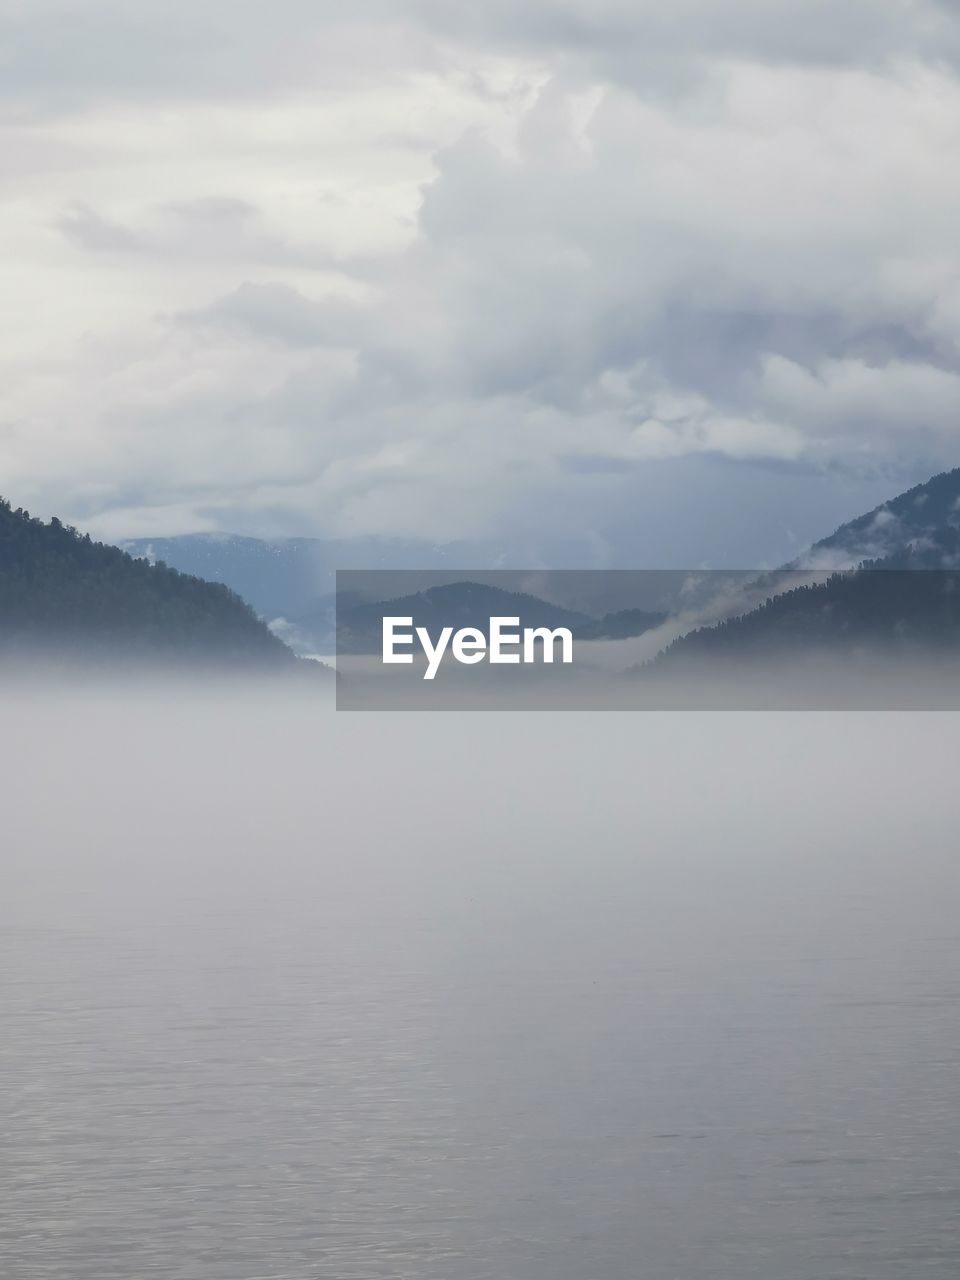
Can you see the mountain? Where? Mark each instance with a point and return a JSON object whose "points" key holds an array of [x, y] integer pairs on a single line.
{"points": [[879, 608], [290, 581], [276, 578], [457, 604], [62, 595], [901, 597], [916, 516], [316, 631], [906, 603], [622, 625], [294, 578]]}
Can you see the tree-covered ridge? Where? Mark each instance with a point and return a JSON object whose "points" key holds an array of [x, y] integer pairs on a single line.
{"points": [[890, 605], [917, 514], [60, 590]]}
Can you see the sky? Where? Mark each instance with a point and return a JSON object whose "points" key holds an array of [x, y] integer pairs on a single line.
{"points": [[680, 283]]}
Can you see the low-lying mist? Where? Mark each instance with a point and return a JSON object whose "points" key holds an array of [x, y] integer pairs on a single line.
{"points": [[289, 992]]}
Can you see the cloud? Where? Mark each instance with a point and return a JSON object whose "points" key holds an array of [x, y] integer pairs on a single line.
{"points": [[90, 230], [646, 44], [207, 228], [279, 313], [454, 270], [65, 54]]}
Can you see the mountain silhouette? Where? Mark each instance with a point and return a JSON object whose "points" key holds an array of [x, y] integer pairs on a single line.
{"points": [[65, 596], [456, 604]]}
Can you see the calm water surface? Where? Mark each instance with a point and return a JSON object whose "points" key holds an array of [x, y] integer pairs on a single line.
{"points": [[286, 995]]}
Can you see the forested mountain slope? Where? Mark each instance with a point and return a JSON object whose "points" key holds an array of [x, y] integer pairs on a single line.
{"points": [[61, 593]]}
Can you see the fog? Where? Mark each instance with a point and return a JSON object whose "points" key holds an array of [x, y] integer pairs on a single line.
{"points": [[601, 678], [288, 992]]}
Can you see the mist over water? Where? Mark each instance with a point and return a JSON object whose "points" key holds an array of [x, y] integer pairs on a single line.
{"points": [[287, 993]]}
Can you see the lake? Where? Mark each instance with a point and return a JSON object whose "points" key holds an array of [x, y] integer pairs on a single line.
{"points": [[289, 994]]}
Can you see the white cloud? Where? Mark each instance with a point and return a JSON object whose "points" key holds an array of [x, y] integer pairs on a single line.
{"points": [[409, 272]]}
